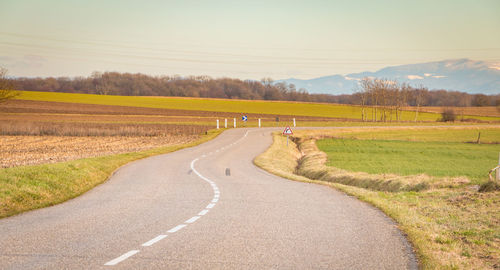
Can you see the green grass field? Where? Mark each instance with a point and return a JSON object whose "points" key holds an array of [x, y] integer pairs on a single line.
{"points": [[436, 152], [438, 159], [220, 105], [458, 134], [450, 226]]}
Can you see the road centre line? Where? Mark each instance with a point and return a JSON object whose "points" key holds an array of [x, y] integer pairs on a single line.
{"points": [[215, 199], [154, 240], [176, 228], [193, 219], [203, 212], [122, 257], [210, 205]]}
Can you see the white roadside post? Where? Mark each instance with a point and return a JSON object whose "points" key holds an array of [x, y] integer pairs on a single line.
{"points": [[234, 122], [293, 122], [498, 170], [217, 123], [225, 123], [259, 122]]}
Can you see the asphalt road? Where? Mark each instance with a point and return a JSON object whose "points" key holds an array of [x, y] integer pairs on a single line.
{"points": [[206, 207]]}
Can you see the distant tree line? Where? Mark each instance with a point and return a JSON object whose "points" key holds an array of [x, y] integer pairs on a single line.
{"points": [[376, 92], [126, 84], [388, 98], [7, 90]]}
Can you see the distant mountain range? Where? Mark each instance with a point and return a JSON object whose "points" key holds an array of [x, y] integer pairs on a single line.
{"points": [[458, 75]]}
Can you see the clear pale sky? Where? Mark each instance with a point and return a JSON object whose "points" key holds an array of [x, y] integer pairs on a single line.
{"points": [[241, 39]]}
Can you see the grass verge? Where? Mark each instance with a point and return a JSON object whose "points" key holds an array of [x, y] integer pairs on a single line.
{"points": [[450, 227], [30, 187]]}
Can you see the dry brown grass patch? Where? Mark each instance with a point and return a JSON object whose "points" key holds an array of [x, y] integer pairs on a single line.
{"points": [[31, 150]]}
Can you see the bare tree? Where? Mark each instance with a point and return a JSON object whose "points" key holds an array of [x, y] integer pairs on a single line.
{"points": [[402, 101], [420, 94], [101, 82], [379, 91], [362, 97], [6, 87], [375, 98], [369, 88], [465, 101], [383, 90], [394, 96]]}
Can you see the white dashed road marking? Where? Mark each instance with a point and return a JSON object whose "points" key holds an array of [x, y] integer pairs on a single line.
{"points": [[154, 240], [193, 219], [177, 228], [213, 202], [210, 205], [122, 257]]}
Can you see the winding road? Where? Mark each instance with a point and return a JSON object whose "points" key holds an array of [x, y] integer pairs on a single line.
{"points": [[206, 207]]}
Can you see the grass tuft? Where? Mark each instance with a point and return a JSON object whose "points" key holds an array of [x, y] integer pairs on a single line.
{"points": [[489, 186]]}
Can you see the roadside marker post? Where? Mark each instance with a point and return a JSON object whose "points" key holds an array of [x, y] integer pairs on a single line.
{"points": [[498, 171], [244, 118], [259, 122], [288, 131], [234, 122], [225, 123], [217, 123], [293, 122]]}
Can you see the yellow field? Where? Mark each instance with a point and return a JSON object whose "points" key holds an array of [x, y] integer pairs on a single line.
{"points": [[223, 105]]}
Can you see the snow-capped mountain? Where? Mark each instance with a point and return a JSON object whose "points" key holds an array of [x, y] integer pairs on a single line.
{"points": [[459, 75]]}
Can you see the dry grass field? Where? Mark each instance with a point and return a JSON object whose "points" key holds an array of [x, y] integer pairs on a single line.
{"points": [[31, 150], [47, 132], [30, 126]]}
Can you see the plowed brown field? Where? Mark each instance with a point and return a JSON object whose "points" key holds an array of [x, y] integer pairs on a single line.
{"points": [[59, 108], [38, 132], [30, 150], [33, 132]]}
